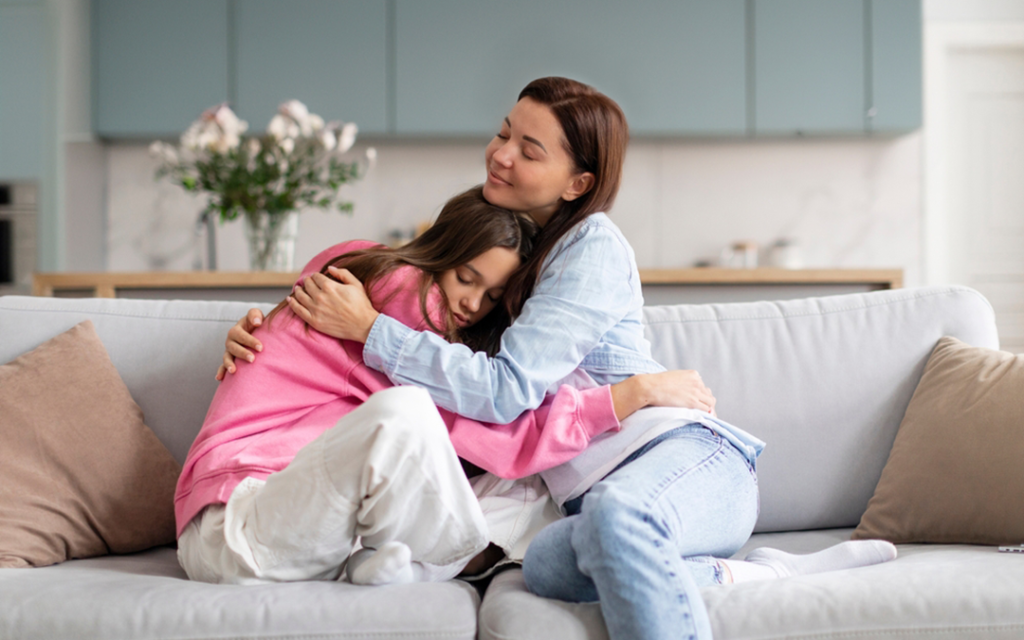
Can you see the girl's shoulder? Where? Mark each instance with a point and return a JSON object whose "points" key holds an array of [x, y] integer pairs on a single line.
{"points": [[330, 253], [399, 293]]}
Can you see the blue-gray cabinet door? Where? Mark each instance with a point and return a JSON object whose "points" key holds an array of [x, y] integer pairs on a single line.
{"points": [[157, 65], [676, 67], [809, 67], [22, 90], [896, 76], [330, 55]]}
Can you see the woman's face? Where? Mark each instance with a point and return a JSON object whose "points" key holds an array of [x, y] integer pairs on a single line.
{"points": [[473, 289], [528, 168]]}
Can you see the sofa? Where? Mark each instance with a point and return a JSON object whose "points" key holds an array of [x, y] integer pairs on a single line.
{"points": [[825, 381]]}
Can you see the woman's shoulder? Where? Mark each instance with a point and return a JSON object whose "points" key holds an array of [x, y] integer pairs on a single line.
{"points": [[595, 235]]}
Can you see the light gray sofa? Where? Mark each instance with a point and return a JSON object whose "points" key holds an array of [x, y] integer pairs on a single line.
{"points": [[825, 381]]}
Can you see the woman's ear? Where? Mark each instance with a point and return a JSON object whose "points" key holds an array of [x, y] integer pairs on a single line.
{"points": [[579, 186]]}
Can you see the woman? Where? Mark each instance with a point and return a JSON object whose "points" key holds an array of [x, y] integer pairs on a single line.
{"points": [[652, 513], [309, 450]]}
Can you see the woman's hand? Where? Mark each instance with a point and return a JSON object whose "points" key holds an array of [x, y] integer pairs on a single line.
{"points": [[239, 341], [681, 388], [340, 309]]}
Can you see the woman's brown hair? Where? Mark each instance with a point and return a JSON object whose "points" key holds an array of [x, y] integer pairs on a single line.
{"points": [[595, 135], [467, 226]]}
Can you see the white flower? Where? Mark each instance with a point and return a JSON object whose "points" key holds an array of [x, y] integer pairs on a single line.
{"points": [[328, 139], [299, 114], [190, 138], [229, 122], [218, 130], [287, 145], [347, 138], [252, 147], [316, 122], [294, 110], [371, 155], [278, 127]]}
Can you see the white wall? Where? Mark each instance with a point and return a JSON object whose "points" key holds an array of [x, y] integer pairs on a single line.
{"points": [[849, 203]]}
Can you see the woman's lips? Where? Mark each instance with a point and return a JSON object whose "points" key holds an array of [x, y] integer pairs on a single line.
{"points": [[493, 177]]}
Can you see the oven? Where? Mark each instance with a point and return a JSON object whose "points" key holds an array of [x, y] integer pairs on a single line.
{"points": [[18, 236]]}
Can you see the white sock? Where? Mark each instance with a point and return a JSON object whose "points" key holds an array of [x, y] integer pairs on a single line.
{"points": [[391, 564], [845, 555]]}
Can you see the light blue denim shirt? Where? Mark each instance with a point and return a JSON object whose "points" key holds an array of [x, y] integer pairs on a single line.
{"points": [[585, 313]]}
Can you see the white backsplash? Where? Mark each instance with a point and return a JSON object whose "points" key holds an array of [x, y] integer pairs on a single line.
{"points": [[847, 202]]}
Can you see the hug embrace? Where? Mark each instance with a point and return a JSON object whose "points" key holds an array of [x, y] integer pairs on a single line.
{"points": [[480, 396]]}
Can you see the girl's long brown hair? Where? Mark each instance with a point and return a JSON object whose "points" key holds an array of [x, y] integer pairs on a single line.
{"points": [[467, 226], [595, 136]]}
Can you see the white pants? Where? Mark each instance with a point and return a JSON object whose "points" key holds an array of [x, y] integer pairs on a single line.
{"points": [[385, 472]]}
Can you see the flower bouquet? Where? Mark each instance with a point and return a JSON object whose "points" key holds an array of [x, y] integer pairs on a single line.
{"points": [[296, 164]]}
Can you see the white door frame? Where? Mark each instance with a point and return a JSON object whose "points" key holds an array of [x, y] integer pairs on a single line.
{"points": [[940, 41]]}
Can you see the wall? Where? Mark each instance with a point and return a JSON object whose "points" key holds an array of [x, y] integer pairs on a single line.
{"points": [[849, 203]]}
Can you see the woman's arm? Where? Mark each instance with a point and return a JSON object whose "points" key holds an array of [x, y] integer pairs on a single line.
{"points": [[587, 287]]}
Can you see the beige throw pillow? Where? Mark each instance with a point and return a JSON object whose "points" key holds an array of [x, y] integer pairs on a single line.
{"points": [[956, 470], [80, 473]]}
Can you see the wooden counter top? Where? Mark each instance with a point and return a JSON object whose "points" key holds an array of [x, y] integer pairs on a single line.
{"points": [[107, 284]]}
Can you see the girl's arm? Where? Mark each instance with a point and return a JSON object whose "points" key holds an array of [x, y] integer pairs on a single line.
{"points": [[566, 422]]}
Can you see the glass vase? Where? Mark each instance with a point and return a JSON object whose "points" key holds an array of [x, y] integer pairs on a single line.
{"points": [[272, 240]]}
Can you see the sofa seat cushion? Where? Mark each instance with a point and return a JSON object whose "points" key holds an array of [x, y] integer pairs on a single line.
{"points": [[930, 591], [147, 596]]}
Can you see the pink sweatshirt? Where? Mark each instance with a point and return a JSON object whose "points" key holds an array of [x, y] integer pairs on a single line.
{"points": [[303, 382]]}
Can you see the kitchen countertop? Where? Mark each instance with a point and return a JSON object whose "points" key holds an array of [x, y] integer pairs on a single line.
{"points": [[108, 284]]}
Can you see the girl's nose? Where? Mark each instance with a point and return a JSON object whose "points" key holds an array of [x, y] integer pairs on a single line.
{"points": [[472, 304]]}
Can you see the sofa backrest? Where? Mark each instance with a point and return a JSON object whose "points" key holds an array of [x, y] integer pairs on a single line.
{"points": [[824, 381], [167, 352]]}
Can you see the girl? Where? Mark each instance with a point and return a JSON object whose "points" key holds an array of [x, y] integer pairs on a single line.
{"points": [[307, 451], [652, 510]]}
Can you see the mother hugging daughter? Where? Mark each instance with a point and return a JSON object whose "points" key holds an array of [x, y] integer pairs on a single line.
{"points": [[653, 509]]}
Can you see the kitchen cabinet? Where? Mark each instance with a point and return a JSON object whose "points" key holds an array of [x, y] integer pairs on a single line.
{"points": [[843, 67], [895, 66], [450, 68], [157, 65], [330, 55], [809, 67], [23, 55], [676, 67]]}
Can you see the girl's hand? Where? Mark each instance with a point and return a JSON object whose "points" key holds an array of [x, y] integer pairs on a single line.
{"points": [[667, 389], [239, 341], [340, 309]]}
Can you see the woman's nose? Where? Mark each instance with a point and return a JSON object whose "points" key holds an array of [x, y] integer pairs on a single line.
{"points": [[503, 155]]}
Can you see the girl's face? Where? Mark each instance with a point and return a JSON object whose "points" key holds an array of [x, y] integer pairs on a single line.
{"points": [[528, 168], [473, 289]]}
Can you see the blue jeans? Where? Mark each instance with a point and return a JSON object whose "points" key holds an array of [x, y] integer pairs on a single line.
{"points": [[646, 538]]}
